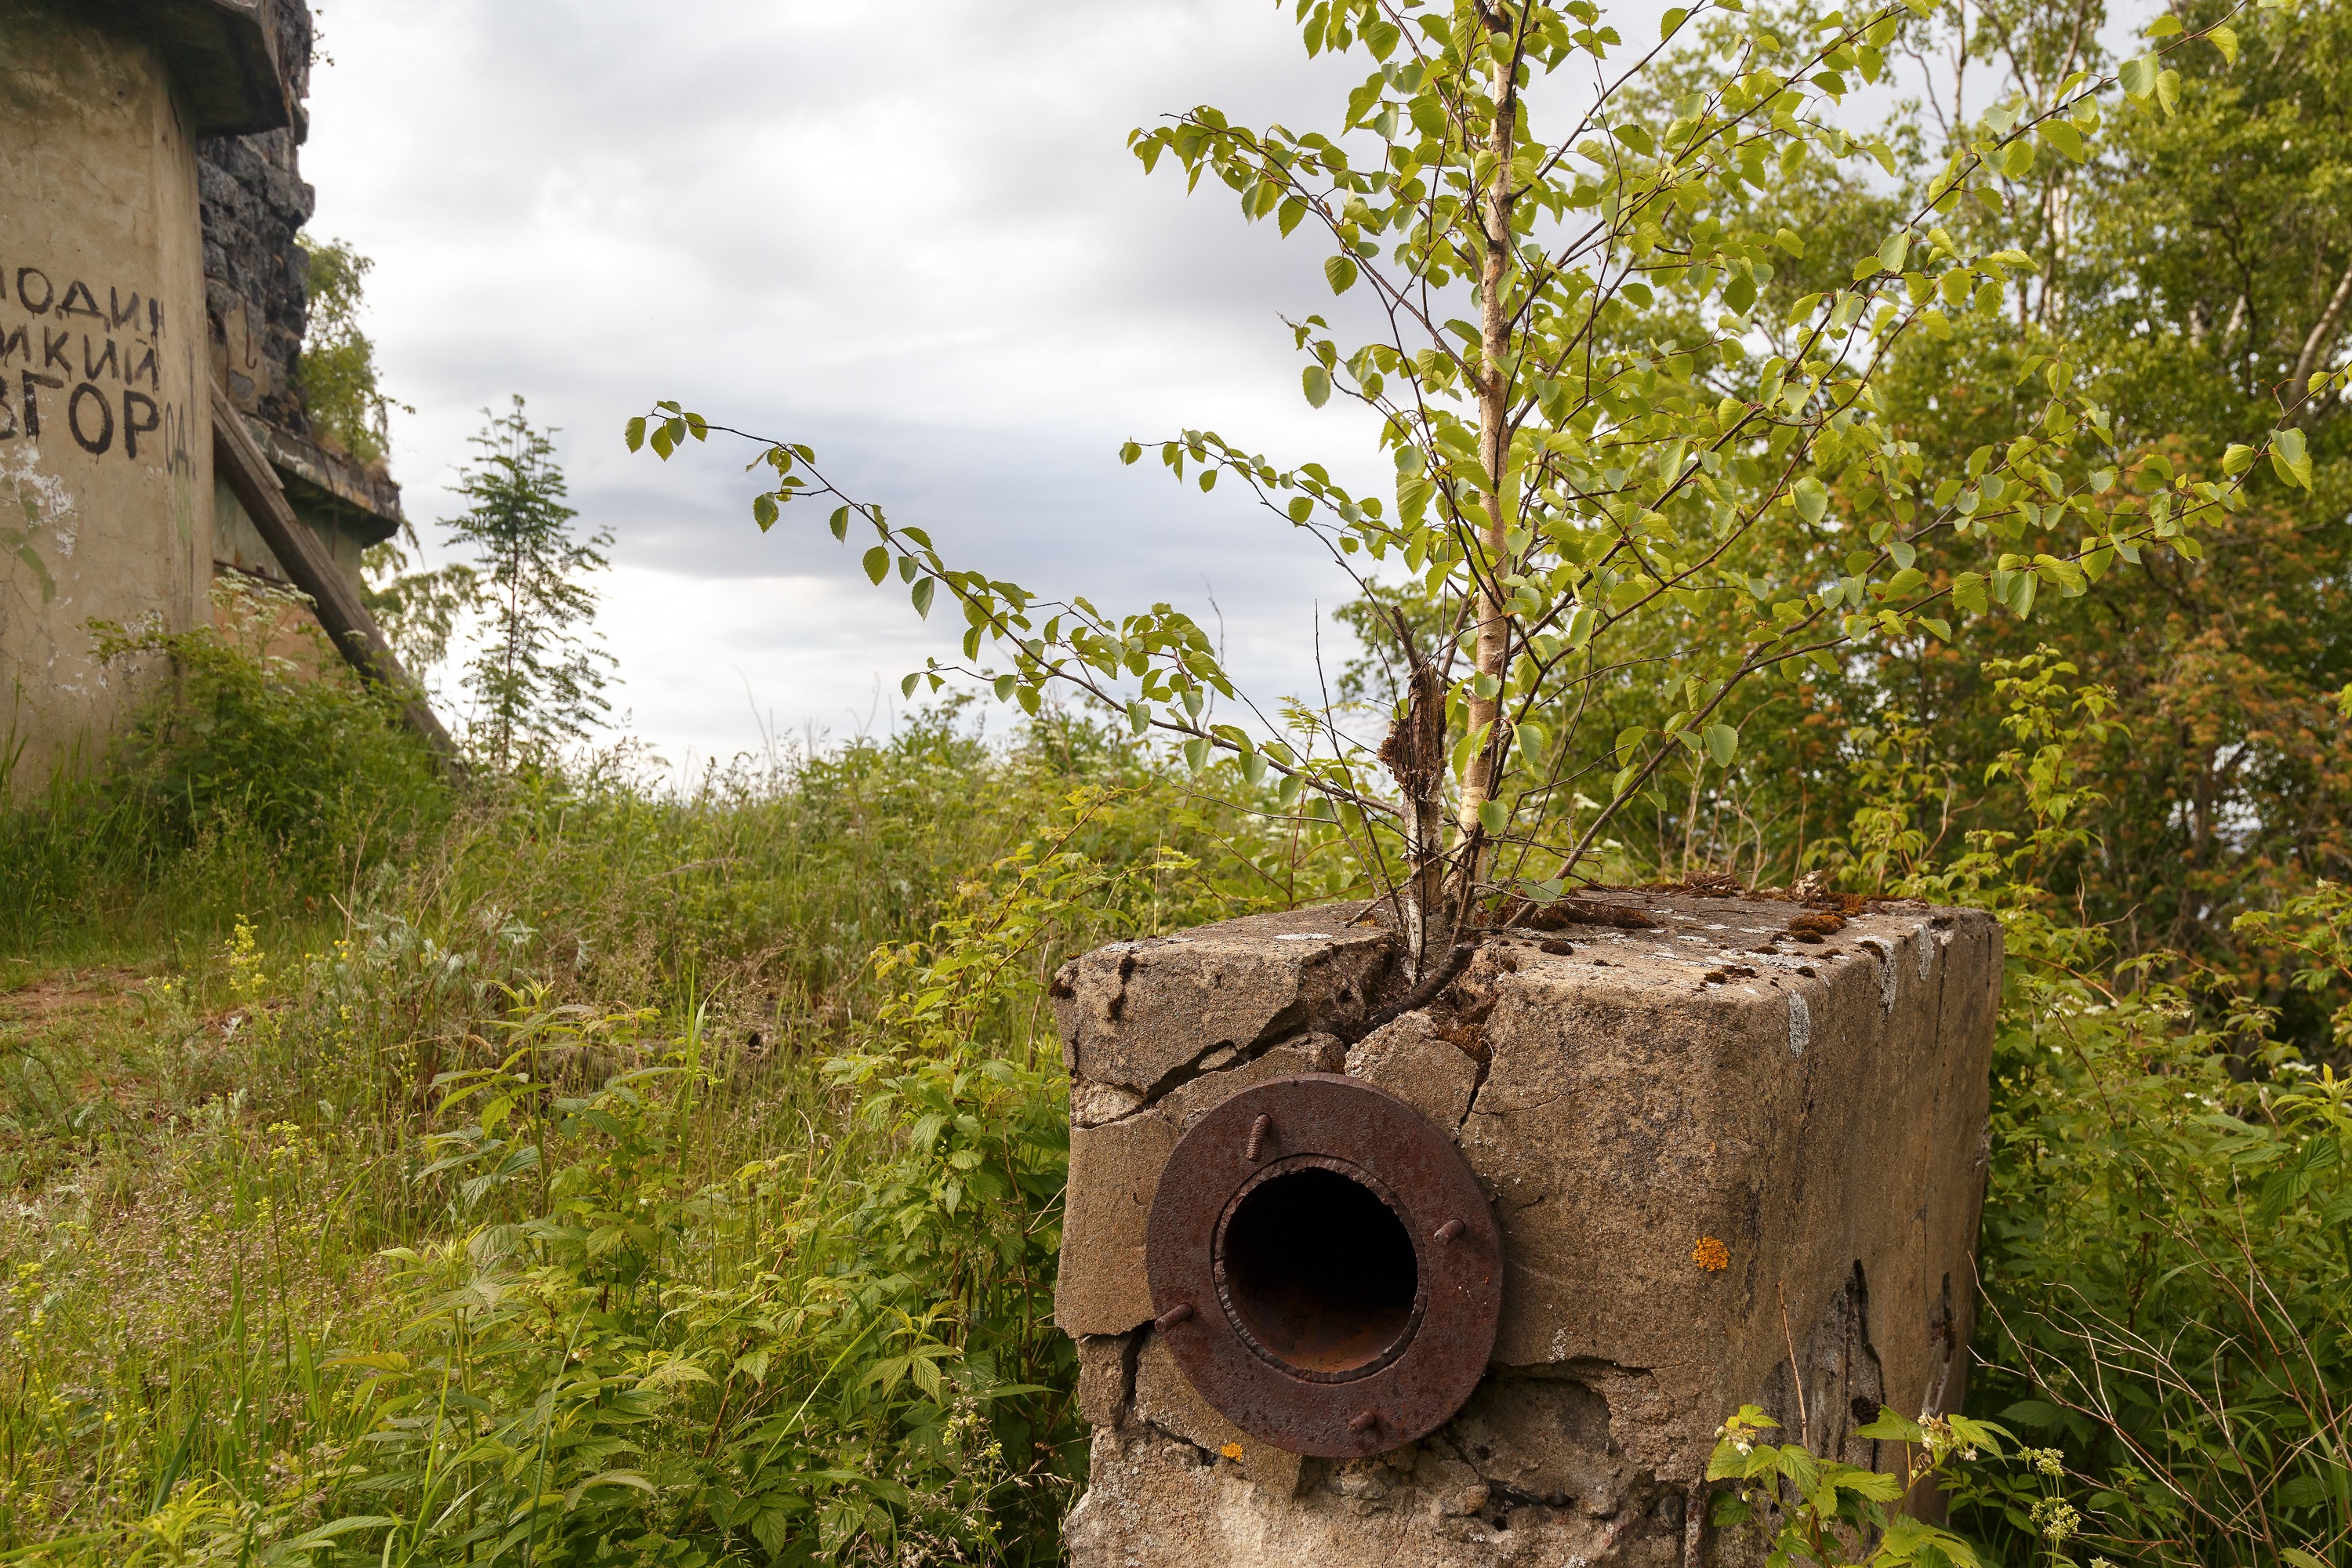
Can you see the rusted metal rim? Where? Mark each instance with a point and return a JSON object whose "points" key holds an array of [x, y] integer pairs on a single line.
{"points": [[1324, 1267], [1233, 1297]]}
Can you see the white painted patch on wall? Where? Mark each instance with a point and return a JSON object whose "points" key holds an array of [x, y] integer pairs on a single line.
{"points": [[1927, 942], [1889, 977], [41, 503], [1800, 1024]]}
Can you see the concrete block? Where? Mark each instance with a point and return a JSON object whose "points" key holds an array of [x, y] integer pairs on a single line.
{"points": [[1190, 1101], [1708, 1140], [1106, 1376], [1114, 1172], [1136, 1015], [1413, 1061]]}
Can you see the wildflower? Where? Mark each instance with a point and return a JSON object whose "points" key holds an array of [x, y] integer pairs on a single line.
{"points": [[1710, 1254], [2056, 1519], [1740, 1430], [2051, 1462]]}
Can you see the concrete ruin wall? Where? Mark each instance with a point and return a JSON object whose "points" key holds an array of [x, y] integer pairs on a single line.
{"points": [[106, 479], [1624, 1093], [141, 261]]}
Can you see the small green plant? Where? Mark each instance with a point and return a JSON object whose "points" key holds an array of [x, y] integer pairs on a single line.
{"points": [[1818, 1510], [341, 392]]}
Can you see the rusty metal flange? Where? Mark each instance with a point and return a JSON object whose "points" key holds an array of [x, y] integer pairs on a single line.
{"points": [[1325, 1270]]}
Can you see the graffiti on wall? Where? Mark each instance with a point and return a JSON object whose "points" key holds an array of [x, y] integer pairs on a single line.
{"points": [[77, 365]]}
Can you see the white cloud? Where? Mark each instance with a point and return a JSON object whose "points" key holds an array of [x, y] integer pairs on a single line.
{"points": [[910, 235]]}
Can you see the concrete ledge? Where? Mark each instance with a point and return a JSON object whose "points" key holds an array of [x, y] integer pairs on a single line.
{"points": [[220, 58], [1139, 1015]]}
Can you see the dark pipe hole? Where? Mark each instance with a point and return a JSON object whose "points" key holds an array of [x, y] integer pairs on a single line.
{"points": [[1319, 1269]]}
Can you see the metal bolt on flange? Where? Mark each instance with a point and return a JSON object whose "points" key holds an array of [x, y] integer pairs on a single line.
{"points": [[1344, 1285], [1172, 1316]]}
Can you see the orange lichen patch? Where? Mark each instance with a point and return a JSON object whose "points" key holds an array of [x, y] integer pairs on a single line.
{"points": [[1231, 1450], [1711, 1255]]}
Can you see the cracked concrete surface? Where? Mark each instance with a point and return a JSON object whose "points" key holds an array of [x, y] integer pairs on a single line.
{"points": [[1804, 1085]]}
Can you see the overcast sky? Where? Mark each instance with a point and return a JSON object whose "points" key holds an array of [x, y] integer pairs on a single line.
{"points": [[908, 234], [911, 236]]}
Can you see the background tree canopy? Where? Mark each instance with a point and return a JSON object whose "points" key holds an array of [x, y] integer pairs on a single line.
{"points": [[2201, 267]]}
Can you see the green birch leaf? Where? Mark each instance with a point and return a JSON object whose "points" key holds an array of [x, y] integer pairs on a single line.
{"points": [[877, 565], [2290, 455], [1812, 498]]}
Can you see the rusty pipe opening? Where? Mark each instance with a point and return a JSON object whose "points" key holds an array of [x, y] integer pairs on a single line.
{"points": [[1303, 1273], [1318, 1271]]}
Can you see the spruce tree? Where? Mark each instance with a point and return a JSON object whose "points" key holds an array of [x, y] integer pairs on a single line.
{"points": [[540, 673]]}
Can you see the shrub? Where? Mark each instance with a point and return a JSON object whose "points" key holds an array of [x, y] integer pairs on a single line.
{"points": [[255, 777]]}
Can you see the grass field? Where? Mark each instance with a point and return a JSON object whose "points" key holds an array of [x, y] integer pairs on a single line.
{"points": [[584, 1166], [569, 1169]]}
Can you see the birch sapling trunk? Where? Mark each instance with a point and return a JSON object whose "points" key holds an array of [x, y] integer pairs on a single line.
{"points": [[1414, 752], [1493, 628]]}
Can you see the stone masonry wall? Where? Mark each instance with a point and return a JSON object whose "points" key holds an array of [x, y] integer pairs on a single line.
{"points": [[257, 278]]}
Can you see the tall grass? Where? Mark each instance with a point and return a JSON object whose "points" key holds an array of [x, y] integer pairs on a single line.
{"points": [[574, 1170], [583, 1168]]}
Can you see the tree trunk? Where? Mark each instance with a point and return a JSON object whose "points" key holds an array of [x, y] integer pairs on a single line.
{"points": [[1494, 627], [1414, 752]]}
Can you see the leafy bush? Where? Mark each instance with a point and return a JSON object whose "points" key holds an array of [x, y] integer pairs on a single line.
{"points": [[263, 773], [2168, 1264], [2164, 1251]]}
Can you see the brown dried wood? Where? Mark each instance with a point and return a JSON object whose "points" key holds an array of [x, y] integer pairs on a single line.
{"points": [[336, 603]]}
